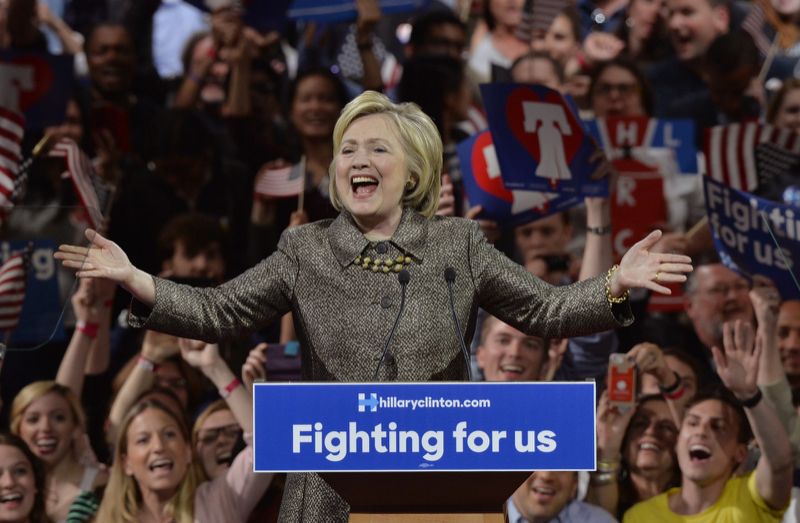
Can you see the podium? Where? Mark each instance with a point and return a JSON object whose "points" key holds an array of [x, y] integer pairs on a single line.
{"points": [[424, 452], [426, 496]]}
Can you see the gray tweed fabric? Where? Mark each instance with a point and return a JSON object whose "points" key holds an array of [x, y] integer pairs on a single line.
{"points": [[343, 313]]}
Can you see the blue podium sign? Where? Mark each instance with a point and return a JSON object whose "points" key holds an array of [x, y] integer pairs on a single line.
{"points": [[360, 427]]}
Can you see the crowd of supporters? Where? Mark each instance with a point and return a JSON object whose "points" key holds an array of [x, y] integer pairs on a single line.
{"points": [[184, 106]]}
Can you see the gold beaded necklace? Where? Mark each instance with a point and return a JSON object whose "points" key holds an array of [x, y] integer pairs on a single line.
{"points": [[396, 264]]}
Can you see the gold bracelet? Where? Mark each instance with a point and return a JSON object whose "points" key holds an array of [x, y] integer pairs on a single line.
{"points": [[602, 478], [609, 297], [608, 466]]}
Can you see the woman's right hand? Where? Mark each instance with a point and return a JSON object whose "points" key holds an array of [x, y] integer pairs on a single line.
{"points": [[105, 259], [102, 259]]}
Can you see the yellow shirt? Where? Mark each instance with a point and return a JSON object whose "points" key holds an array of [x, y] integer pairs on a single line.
{"points": [[740, 503]]}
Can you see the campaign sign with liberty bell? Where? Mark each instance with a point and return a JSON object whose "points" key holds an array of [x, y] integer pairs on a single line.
{"points": [[483, 182], [541, 144]]}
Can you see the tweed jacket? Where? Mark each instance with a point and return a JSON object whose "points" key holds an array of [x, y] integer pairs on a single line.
{"points": [[343, 313]]}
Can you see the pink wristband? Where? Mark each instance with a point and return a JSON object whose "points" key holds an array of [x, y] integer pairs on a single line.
{"points": [[230, 387]]}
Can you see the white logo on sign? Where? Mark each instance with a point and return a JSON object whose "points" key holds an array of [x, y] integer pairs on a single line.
{"points": [[554, 125], [13, 79], [492, 165]]}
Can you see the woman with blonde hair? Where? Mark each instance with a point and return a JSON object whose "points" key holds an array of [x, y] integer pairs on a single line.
{"points": [[51, 421], [339, 278], [155, 475]]}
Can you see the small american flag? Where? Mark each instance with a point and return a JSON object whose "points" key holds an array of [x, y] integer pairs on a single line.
{"points": [[13, 276], [742, 155], [12, 126], [754, 24], [92, 192], [281, 183]]}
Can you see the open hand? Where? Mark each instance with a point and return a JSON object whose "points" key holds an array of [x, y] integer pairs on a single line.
{"points": [[102, 259], [737, 365], [641, 267]]}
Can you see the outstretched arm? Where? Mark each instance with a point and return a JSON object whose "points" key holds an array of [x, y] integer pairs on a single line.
{"points": [[737, 366], [509, 292], [105, 259], [251, 300]]}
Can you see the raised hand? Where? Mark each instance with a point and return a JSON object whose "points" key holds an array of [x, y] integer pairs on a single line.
{"points": [[447, 202], [199, 354], [649, 359], [766, 301], [255, 367], [102, 259], [737, 365], [611, 427], [641, 267]]}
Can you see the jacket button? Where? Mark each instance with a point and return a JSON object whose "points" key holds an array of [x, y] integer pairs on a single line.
{"points": [[386, 302], [381, 248]]}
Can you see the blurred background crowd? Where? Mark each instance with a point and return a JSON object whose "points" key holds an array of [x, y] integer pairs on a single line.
{"points": [[188, 108]]}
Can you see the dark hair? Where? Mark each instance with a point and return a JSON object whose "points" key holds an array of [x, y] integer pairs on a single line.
{"points": [[657, 47], [108, 24], [38, 513], [540, 55], [340, 91], [628, 495], [689, 360], [574, 18], [645, 93], [188, 49], [724, 395], [775, 103], [181, 132], [195, 230], [422, 26], [427, 80], [731, 50]]}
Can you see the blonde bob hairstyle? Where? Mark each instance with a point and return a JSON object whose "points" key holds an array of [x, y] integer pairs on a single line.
{"points": [[39, 389], [122, 498], [421, 143]]}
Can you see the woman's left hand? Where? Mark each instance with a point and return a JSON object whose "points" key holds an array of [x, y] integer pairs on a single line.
{"points": [[641, 267]]}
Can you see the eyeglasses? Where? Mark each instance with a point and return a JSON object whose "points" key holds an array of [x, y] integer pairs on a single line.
{"points": [[624, 90], [718, 291], [210, 436]]}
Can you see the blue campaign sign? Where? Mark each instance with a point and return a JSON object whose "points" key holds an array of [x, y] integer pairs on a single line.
{"points": [[356, 427], [39, 84], [344, 10], [483, 181], [742, 226], [42, 307], [540, 142], [640, 137]]}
